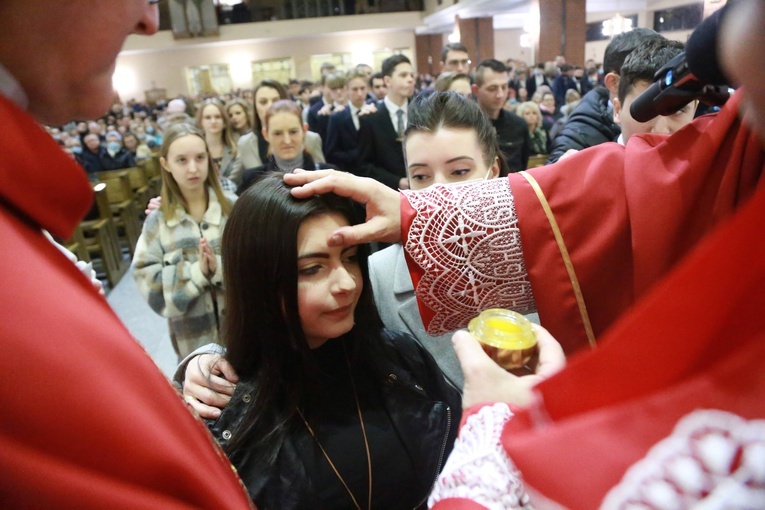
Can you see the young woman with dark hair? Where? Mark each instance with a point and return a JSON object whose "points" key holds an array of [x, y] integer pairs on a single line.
{"points": [[448, 140], [285, 132], [332, 410], [465, 131]]}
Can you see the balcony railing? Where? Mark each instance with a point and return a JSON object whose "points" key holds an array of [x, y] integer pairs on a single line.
{"points": [[256, 11]]}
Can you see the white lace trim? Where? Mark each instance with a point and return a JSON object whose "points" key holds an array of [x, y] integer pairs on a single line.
{"points": [[712, 460], [478, 468], [466, 239]]}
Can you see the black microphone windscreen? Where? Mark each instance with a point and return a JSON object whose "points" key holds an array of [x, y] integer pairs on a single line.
{"points": [[644, 107], [701, 51]]}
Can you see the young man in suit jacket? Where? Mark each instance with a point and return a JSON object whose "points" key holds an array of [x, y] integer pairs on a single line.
{"points": [[335, 100], [341, 145], [382, 156]]}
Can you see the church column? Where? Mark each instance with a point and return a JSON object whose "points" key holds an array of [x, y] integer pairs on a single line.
{"points": [[562, 30], [478, 35], [428, 50]]}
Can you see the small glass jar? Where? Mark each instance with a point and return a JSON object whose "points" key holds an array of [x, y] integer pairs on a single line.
{"points": [[506, 336]]}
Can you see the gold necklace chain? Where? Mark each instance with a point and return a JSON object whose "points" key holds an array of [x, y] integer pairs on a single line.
{"points": [[366, 443]]}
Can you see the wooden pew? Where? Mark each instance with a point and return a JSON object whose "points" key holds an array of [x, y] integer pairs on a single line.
{"points": [[100, 238], [537, 160], [139, 184], [153, 174], [122, 204], [76, 244]]}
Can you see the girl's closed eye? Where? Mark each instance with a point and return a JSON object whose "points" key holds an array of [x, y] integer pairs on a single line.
{"points": [[310, 270]]}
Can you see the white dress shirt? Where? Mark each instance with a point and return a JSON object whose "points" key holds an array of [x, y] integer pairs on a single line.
{"points": [[354, 115], [393, 108]]}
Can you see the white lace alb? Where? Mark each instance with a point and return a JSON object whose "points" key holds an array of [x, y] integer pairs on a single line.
{"points": [[466, 239], [478, 468], [712, 460]]}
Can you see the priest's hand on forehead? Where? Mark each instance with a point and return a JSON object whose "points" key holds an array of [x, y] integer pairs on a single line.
{"points": [[383, 205]]}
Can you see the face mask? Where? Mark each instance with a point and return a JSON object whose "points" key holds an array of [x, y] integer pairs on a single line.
{"points": [[76, 150], [113, 147]]}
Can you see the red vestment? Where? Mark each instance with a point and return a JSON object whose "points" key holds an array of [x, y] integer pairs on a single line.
{"points": [[88, 420], [695, 343], [675, 222], [627, 216]]}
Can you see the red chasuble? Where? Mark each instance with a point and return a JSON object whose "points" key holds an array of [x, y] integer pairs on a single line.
{"points": [[626, 216], [669, 409], [667, 412], [88, 420]]}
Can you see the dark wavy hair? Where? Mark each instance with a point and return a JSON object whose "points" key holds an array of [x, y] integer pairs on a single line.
{"points": [[272, 84], [266, 343], [430, 112]]}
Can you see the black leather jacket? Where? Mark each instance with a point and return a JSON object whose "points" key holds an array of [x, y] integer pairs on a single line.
{"points": [[424, 409], [591, 123]]}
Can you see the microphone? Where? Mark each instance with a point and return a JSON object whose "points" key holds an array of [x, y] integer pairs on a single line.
{"points": [[694, 74]]}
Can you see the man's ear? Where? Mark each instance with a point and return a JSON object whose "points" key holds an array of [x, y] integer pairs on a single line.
{"points": [[386, 81], [265, 134], [305, 127], [611, 82], [474, 88], [617, 110]]}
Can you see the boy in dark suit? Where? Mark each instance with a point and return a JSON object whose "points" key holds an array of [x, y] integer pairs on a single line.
{"points": [[341, 146], [382, 156]]}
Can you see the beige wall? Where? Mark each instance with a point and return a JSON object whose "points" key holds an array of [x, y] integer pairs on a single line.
{"points": [[507, 44], [160, 61]]}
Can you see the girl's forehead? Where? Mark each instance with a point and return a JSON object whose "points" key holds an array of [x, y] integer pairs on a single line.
{"points": [[444, 133], [186, 143], [283, 118], [266, 92]]}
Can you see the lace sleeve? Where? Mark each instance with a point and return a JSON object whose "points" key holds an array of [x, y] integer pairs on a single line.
{"points": [[466, 240], [478, 468], [713, 459]]}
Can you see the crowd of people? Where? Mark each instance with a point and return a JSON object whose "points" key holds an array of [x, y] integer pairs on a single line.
{"points": [[530, 109], [311, 361]]}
